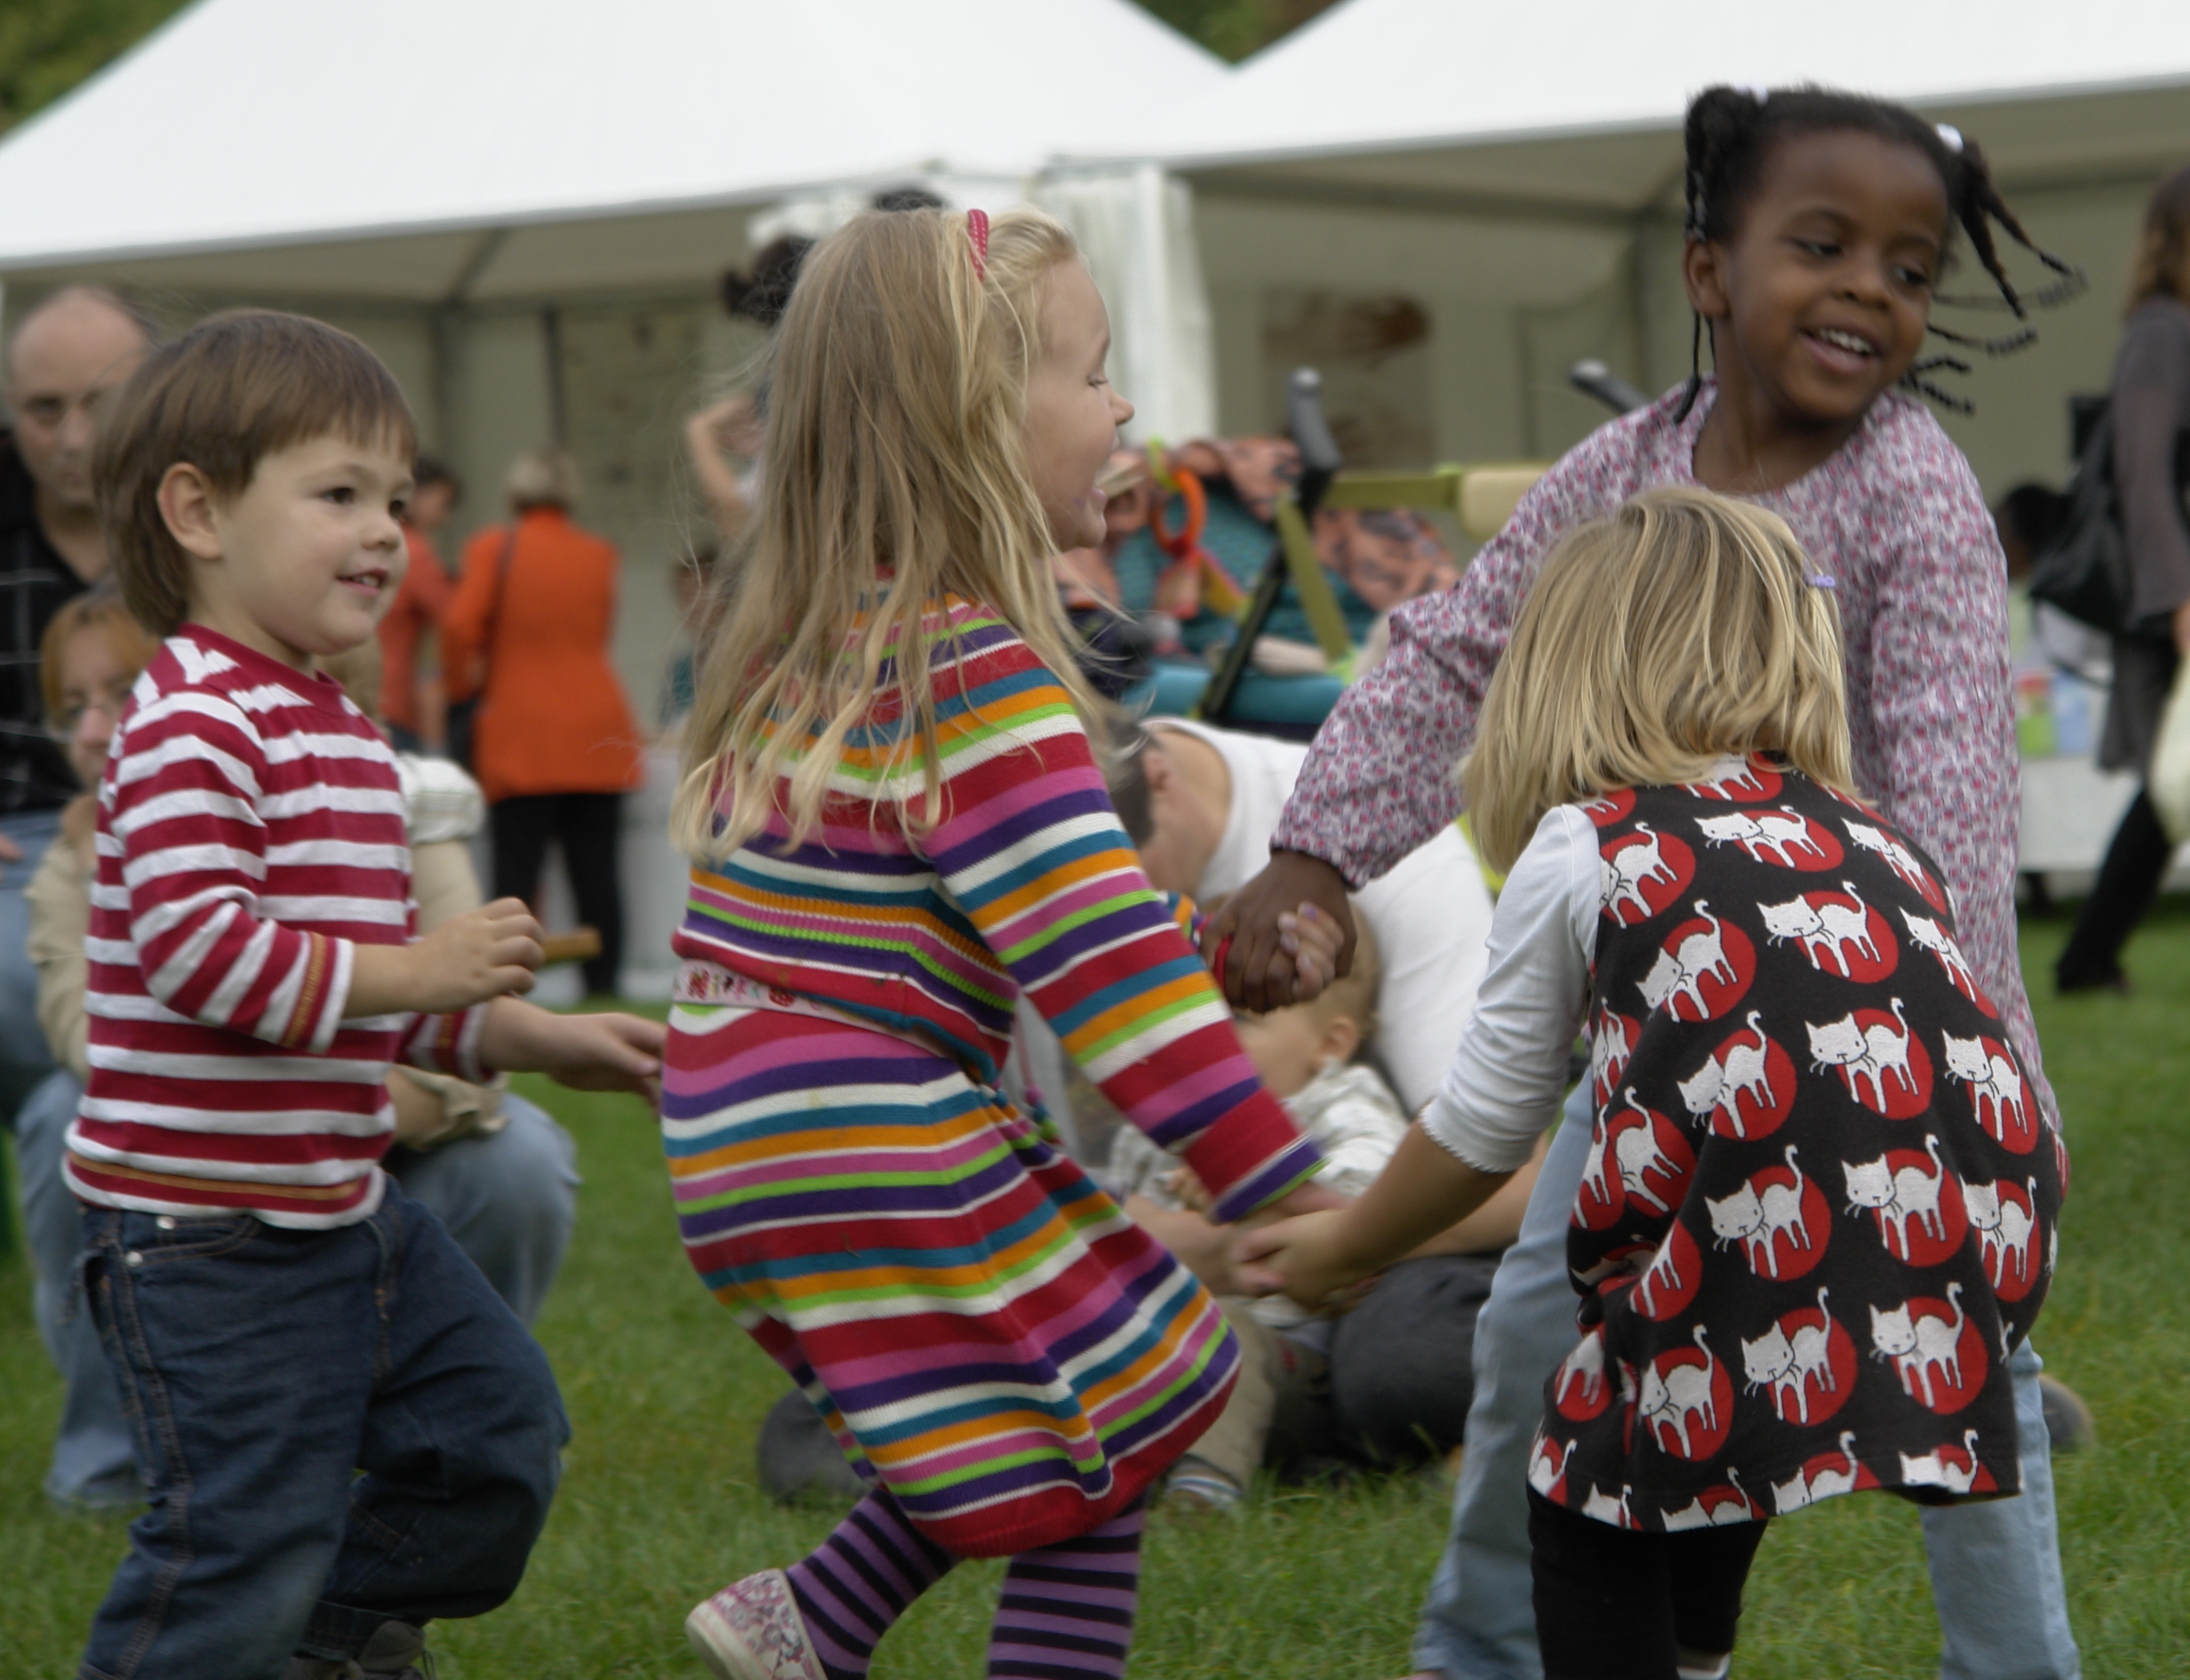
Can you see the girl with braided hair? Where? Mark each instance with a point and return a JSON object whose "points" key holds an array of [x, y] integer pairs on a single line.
{"points": [[1819, 226]]}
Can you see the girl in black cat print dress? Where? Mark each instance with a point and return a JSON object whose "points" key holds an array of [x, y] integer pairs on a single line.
{"points": [[1820, 1208]]}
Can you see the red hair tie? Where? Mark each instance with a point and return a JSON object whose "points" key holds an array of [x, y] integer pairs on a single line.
{"points": [[976, 234]]}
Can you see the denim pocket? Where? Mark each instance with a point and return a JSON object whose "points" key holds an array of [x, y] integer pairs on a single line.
{"points": [[153, 1240]]}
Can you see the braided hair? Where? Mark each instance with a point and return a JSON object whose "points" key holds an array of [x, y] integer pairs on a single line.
{"points": [[1730, 133]]}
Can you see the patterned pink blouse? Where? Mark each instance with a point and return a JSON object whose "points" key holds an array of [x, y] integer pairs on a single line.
{"points": [[1895, 515]]}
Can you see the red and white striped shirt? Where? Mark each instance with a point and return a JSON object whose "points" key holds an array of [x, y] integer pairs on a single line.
{"points": [[250, 836]]}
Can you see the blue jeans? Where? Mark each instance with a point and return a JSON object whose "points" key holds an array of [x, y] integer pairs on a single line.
{"points": [[24, 1057], [509, 1199], [1996, 1565], [262, 1369]]}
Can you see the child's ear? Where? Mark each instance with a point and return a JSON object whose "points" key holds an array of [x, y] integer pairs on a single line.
{"points": [[187, 506], [1702, 270], [1340, 1040]]}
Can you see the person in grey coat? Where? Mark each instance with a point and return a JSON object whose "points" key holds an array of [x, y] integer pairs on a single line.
{"points": [[2151, 401]]}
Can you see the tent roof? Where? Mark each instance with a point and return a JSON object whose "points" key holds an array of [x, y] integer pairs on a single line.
{"points": [[462, 137], [1571, 109]]}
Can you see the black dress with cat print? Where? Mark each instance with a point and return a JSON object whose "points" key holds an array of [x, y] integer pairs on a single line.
{"points": [[1819, 1210]]}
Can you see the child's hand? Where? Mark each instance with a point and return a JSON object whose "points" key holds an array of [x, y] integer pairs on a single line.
{"points": [[1258, 973], [486, 953], [1303, 1258], [1314, 941], [1192, 1194], [586, 1053]]}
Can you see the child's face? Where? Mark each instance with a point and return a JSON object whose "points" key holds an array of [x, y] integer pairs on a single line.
{"points": [[1820, 299], [1290, 1047], [94, 687], [307, 559], [1073, 414]]}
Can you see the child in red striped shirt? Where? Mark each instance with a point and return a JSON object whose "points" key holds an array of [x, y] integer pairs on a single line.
{"points": [[279, 1314]]}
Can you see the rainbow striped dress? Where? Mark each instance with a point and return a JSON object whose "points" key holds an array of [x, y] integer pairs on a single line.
{"points": [[984, 1330]]}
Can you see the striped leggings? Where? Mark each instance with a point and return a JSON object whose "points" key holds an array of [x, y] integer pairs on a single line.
{"points": [[1067, 1610]]}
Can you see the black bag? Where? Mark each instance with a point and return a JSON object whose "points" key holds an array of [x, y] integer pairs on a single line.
{"points": [[463, 715], [2085, 571]]}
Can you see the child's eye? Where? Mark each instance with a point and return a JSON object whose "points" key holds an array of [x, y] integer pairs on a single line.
{"points": [[1818, 247], [1916, 279], [341, 494]]}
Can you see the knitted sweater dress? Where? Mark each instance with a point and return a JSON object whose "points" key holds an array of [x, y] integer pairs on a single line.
{"points": [[988, 1334]]}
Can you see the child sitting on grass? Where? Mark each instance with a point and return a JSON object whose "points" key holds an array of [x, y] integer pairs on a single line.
{"points": [[1308, 1057], [343, 1430]]}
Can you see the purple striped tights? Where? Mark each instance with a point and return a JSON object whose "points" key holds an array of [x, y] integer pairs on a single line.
{"points": [[1066, 1614]]}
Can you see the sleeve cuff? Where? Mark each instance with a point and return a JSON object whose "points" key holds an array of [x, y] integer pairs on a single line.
{"points": [[329, 965], [1459, 1135], [450, 1044]]}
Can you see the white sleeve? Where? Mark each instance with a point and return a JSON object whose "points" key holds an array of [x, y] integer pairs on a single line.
{"points": [[1505, 1086]]}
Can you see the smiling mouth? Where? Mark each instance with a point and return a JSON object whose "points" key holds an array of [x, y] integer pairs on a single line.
{"points": [[373, 581], [1841, 346]]}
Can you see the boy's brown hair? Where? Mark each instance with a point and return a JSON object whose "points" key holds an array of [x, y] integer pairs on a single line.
{"points": [[234, 389]]}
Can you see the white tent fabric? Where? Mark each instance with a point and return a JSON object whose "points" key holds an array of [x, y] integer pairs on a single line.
{"points": [[1395, 93], [425, 149], [1136, 226]]}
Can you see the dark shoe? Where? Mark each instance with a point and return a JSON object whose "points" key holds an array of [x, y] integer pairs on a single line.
{"points": [[2068, 1419], [799, 1461], [2117, 983], [396, 1651]]}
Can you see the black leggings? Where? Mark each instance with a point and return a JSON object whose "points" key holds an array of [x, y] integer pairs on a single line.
{"points": [[1617, 1603], [587, 824], [2129, 880]]}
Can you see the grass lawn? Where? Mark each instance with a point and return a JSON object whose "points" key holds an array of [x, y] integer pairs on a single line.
{"points": [[659, 1507]]}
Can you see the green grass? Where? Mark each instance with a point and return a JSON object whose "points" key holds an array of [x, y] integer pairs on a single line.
{"points": [[659, 1506]]}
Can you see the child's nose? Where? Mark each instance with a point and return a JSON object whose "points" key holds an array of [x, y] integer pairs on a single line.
{"points": [[1120, 410]]}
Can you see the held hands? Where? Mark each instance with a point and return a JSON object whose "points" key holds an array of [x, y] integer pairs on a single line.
{"points": [[1303, 1258], [1276, 954]]}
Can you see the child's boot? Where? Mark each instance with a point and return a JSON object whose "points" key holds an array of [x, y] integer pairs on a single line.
{"points": [[752, 1631], [396, 1651]]}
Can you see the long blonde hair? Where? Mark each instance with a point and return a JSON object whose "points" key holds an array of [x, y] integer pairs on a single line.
{"points": [[1683, 627], [895, 475]]}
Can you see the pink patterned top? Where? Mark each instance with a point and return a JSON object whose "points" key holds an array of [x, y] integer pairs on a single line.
{"points": [[1895, 515]]}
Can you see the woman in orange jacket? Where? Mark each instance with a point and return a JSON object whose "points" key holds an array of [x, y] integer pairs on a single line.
{"points": [[554, 743]]}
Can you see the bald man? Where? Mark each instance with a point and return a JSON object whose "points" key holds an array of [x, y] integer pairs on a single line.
{"points": [[67, 356]]}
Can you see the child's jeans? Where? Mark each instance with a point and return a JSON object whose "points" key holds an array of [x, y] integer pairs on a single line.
{"points": [[262, 1368], [1614, 1604]]}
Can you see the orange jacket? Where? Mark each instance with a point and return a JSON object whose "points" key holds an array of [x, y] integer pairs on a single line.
{"points": [[420, 600], [554, 719]]}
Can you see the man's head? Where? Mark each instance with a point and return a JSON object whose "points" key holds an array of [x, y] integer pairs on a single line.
{"points": [[251, 475], [67, 356], [435, 493], [1172, 822]]}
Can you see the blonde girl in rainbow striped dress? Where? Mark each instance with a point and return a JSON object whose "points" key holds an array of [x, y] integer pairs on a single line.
{"points": [[901, 825]]}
